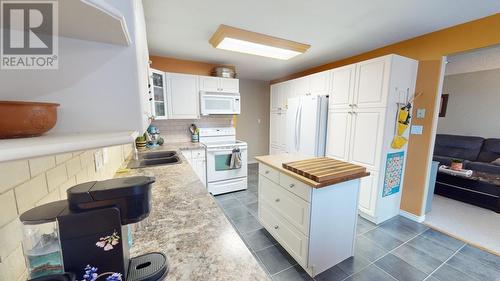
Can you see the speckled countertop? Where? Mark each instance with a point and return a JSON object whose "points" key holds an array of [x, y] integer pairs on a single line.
{"points": [[189, 227]]}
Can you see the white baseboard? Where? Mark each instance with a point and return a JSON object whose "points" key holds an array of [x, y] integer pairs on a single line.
{"points": [[412, 217], [366, 216]]}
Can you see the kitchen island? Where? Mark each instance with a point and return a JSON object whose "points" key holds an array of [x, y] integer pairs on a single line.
{"points": [[314, 220], [188, 226]]}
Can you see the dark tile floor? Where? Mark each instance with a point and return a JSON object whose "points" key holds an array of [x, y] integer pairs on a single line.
{"points": [[398, 249]]}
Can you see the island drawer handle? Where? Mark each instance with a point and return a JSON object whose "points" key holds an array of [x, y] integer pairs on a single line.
{"points": [[276, 227], [277, 200], [292, 185]]}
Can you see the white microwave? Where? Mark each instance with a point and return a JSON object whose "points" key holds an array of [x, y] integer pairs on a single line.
{"points": [[219, 103]]}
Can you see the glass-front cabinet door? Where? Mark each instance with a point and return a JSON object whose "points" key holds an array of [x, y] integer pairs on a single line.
{"points": [[159, 102]]}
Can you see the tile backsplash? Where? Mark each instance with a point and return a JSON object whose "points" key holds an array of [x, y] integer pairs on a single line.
{"points": [[25, 184], [174, 131]]}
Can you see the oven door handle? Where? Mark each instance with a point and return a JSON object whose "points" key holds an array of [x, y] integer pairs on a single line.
{"points": [[230, 181], [228, 149]]}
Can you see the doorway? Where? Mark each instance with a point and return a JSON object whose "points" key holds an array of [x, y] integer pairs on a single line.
{"points": [[463, 196]]}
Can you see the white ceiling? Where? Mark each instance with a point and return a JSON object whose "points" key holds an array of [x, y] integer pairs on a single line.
{"points": [[335, 29], [476, 60]]}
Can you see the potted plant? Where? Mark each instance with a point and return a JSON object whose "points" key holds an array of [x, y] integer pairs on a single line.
{"points": [[457, 164]]}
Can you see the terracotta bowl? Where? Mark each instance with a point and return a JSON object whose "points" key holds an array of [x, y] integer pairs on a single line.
{"points": [[20, 119]]}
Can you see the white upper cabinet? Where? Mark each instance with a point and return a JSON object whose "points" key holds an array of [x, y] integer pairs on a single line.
{"points": [[279, 96], [183, 96], [319, 83], [218, 84], [372, 78], [159, 94], [181, 93], [229, 85], [342, 87], [274, 97], [300, 86], [209, 84]]}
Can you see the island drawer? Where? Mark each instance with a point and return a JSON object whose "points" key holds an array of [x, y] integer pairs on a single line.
{"points": [[292, 240], [287, 204], [269, 172], [296, 187]]}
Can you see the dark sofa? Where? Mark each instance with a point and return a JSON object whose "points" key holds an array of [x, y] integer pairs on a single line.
{"points": [[483, 188], [477, 152]]}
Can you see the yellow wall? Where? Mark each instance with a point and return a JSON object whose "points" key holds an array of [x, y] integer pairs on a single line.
{"points": [[429, 50], [182, 66]]}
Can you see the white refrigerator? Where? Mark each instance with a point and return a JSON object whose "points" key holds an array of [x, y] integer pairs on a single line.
{"points": [[306, 119]]}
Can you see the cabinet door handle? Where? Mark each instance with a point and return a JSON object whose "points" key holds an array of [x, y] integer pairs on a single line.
{"points": [[291, 185], [350, 105], [277, 200], [266, 172], [276, 227]]}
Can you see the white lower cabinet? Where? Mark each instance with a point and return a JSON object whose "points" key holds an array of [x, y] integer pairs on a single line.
{"points": [[294, 242], [339, 133], [316, 226], [197, 159], [367, 133], [287, 204], [278, 133], [367, 192]]}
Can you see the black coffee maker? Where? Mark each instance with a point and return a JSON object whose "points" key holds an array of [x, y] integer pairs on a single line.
{"points": [[86, 237]]}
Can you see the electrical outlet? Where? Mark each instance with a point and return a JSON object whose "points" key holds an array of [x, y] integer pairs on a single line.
{"points": [[98, 160], [421, 113], [105, 155]]}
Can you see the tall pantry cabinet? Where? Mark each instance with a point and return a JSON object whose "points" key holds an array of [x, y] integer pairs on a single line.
{"points": [[362, 114], [279, 97]]}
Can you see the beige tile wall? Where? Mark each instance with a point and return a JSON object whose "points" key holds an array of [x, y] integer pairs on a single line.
{"points": [[174, 131], [28, 183]]}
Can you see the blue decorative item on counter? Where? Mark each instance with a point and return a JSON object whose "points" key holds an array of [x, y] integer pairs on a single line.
{"points": [[154, 136]]}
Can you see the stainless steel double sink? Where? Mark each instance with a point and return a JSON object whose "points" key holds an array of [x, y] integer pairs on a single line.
{"points": [[154, 158]]}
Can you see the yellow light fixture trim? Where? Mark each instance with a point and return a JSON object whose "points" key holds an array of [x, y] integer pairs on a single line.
{"points": [[248, 42]]}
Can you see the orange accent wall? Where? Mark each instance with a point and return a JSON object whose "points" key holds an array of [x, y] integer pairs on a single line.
{"points": [[429, 50], [168, 64]]}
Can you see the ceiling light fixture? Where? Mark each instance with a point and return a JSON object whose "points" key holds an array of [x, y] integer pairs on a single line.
{"points": [[248, 42]]}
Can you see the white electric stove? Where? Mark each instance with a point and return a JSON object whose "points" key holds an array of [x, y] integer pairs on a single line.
{"points": [[219, 144]]}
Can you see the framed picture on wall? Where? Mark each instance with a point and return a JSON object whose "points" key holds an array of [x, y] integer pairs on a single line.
{"points": [[444, 105]]}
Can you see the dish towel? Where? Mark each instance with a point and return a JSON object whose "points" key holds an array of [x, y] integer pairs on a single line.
{"points": [[235, 162]]}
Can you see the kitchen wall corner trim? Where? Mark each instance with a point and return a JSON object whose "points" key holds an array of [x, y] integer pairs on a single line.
{"points": [[413, 217]]}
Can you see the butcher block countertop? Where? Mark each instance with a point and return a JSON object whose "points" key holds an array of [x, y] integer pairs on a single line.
{"points": [[335, 177]]}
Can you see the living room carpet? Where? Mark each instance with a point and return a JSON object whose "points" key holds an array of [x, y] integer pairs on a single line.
{"points": [[474, 225]]}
